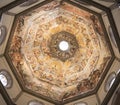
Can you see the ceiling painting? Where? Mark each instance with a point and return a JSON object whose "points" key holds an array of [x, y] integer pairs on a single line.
{"points": [[45, 68]]}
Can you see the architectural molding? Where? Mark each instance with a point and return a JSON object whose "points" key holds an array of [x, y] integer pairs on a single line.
{"points": [[114, 28], [18, 96], [10, 13], [118, 59], [112, 90], [5, 95], [11, 5], [98, 99]]}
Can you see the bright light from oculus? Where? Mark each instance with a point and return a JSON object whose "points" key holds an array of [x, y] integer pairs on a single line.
{"points": [[3, 80], [63, 45]]}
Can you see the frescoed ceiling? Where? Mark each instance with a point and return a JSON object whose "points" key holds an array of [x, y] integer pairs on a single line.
{"points": [[40, 63]]}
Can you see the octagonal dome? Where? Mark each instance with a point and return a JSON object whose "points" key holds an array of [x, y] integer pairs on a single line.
{"points": [[40, 64]]}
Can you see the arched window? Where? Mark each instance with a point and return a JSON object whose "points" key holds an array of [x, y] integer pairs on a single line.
{"points": [[109, 81], [5, 79], [81, 103], [2, 33], [35, 102]]}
